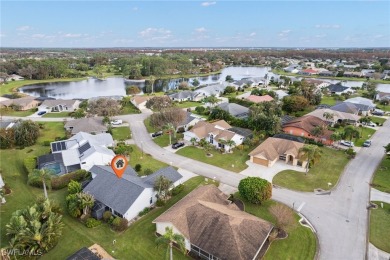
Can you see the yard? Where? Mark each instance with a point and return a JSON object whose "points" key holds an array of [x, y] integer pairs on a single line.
{"points": [[327, 170], [129, 109], [231, 161], [300, 243], [11, 112], [121, 133], [380, 226], [377, 120], [145, 160], [328, 100], [187, 104], [364, 132], [56, 115], [162, 140], [381, 179]]}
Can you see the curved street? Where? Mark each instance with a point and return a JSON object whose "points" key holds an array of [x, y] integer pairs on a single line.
{"points": [[340, 219]]}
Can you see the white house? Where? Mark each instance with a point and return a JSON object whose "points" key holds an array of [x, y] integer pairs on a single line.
{"points": [[82, 151], [59, 105], [127, 196], [189, 121], [215, 89], [213, 133]]}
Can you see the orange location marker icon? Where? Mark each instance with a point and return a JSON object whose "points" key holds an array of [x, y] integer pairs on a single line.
{"points": [[119, 164]]}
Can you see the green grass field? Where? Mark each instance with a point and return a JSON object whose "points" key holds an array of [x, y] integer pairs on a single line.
{"points": [[129, 109], [380, 226], [365, 134], [146, 160], [121, 133], [377, 120], [381, 179], [328, 100], [231, 161], [187, 104], [11, 112], [328, 169], [56, 115], [300, 243]]}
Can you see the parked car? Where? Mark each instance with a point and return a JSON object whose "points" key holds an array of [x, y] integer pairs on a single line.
{"points": [[40, 113], [116, 122], [347, 143], [177, 145], [157, 134], [367, 143], [378, 112], [372, 124]]}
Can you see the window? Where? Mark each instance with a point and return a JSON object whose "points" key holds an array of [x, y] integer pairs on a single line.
{"points": [[211, 139], [151, 200]]}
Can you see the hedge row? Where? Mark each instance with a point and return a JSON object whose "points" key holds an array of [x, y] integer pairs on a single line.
{"points": [[62, 181]]}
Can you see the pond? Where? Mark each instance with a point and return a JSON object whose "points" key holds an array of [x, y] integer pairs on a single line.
{"points": [[114, 86]]}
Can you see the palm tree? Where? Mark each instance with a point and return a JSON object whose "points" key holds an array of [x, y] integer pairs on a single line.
{"points": [[318, 131], [169, 238], [162, 185], [310, 153], [336, 136], [351, 132], [230, 143], [328, 116], [43, 175], [86, 201], [169, 127], [193, 140]]}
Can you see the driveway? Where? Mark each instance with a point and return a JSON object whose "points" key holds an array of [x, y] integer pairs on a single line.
{"points": [[268, 173]]}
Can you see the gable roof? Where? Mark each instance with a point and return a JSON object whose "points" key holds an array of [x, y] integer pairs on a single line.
{"points": [[188, 119], [308, 123], [89, 125], [234, 109], [55, 102], [127, 189], [272, 148], [258, 99], [202, 129], [337, 115], [363, 104], [140, 99], [182, 94], [345, 107], [23, 101], [337, 88], [211, 222]]}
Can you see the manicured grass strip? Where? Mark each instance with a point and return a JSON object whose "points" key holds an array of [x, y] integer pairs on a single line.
{"points": [[231, 161], [365, 134], [380, 226], [163, 140], [300, 243], [328, 100], [149, 127], [11, 112], [146, 160], [377, 120], [129, 109], [381, 179], [328, 169], [56, 115], [121, 133], [187, 104]]}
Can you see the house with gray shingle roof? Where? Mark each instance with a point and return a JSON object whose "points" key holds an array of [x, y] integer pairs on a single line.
{"points": [[127, 196], [59, 105], [189, 120], [339, 89], [183, 96], [92, 125], [235, 109]]}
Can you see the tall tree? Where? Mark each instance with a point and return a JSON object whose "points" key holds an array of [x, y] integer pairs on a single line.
{"points": [[162, 185], [351, 132], [104, 107], [212, 100], [310, 153], [255, 189], [169, 238], [26, 132], [43, 175]]}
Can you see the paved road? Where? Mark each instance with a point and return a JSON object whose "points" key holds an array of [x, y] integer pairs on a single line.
{"points": [[340, 218]]}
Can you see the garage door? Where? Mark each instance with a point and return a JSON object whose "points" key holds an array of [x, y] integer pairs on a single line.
{"points": [[260, 161]]}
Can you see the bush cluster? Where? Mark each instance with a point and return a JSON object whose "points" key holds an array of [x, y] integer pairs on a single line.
{"points": [[30, 163], [63, 180], [179, 188], [91, 223], [144, 212], [119, 224]]}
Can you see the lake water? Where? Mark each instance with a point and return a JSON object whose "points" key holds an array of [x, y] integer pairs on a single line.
{"points": [[116, 86]]}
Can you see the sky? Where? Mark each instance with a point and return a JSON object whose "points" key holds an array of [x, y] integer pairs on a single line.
{"points": [[224, 23]]}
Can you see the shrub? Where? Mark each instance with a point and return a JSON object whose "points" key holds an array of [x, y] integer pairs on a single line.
{"points": [[200, 109], [138, 167], [148, 171], [119, 224], [7, 189], [255, 190], [30, 163], [74, 187], [160, 203], [46, 143], [144, 212], [107, 216], [63, 180], [179, 188], [351, 153], [91, 223]]}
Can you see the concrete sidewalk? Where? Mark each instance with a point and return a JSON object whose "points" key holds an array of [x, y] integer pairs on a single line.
{"points": [[377, 195], [377, 254]]}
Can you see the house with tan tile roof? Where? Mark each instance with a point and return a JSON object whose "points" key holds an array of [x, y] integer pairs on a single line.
{"points": [[338, 116], [213, 133], [23, 103], [140, 101], [259, 99], [274, 149], [304, 126], [215, 228]]}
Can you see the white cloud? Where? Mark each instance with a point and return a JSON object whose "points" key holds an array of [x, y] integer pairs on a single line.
{"points": [[200, 30], [38, 36], [328, 26], [72, 35], [208, 3], [284, 33], [135, 9], [23, 28], [252, 34], [321, 35], [156, 34]]}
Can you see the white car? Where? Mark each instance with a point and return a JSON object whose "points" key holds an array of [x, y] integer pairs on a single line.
{"points": [[116, 122], [347, 143]]}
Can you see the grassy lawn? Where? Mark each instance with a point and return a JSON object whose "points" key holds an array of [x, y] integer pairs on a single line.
{"points": [[225, 161], [328, 169], [56, 115], [149, 128], [146, 160], [377, 120], [129, 109], [381, 179], [163, 140], [383, 107], [380, 226], [328, 100], [365, 133], [11, 112], [187, 104], [300, 243], [121, 133], [304, 112]]}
